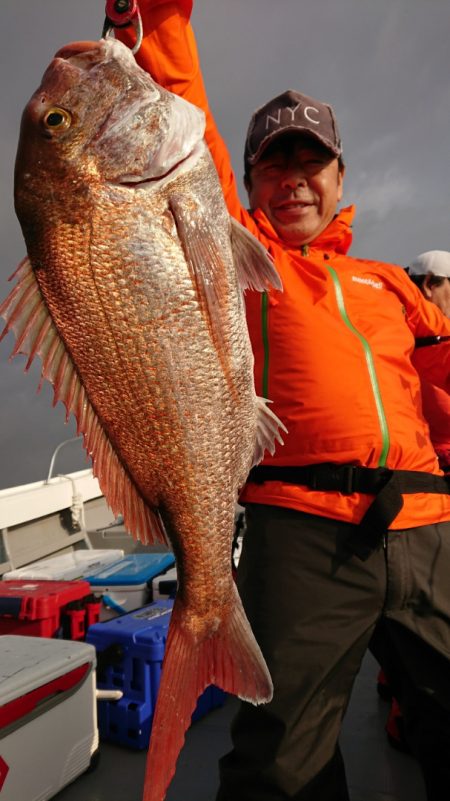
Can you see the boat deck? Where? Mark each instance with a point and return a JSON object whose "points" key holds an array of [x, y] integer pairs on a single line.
{"points": [[376, 772]]}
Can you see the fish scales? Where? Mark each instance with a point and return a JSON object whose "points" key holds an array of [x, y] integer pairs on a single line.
{"points": [[132, 296]]}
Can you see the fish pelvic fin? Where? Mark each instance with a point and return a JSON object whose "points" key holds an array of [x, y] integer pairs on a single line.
{"points": [[254, 264], [230, 658], [267, 431], [28, 317]]}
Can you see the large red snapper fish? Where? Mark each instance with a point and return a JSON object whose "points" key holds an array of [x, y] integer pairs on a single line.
{"points": [[131, 294]]}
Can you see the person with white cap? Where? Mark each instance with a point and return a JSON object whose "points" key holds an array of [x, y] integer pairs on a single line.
{"points": [[430, 271], [347, 542]]}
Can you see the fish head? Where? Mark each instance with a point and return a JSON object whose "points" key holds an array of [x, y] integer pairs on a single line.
{"points": [[98, 118]]}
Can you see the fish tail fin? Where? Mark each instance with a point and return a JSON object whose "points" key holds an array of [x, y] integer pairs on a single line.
{"points": [[230, 659]]}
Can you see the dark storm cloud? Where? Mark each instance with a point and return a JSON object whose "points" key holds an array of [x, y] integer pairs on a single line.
{"points": [[384, 67]]}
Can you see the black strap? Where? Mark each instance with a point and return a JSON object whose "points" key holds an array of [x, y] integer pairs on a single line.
{"points": [[423, 342], [348, 478], [387, 485]]}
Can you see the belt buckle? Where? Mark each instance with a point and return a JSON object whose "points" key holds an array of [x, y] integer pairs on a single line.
{"points": [[333, 477], [319, 474], [348, 475]]}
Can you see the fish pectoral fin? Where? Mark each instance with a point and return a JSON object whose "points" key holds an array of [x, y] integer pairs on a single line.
{"points": [[28, 317], [230, 658], [267, 431], [204, 258], [254, 265]]}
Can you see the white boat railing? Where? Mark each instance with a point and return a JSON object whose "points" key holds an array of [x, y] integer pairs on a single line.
{"points": [[47, 517], [38, 499]]}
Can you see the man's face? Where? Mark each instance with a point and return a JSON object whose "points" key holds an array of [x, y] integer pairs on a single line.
{"points": [[438, 294], [297, 183]]}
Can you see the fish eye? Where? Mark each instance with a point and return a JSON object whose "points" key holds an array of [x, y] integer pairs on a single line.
{"points": [[57, 119]]}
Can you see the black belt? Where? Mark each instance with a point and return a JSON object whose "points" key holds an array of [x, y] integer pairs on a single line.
{"points": [[387, 485]]}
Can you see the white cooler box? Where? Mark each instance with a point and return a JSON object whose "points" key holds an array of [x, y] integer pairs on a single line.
{"points": [[48, 715], [68, 566], [126, 584]]}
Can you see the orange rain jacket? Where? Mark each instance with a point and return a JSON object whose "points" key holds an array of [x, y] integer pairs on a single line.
{"points": [[333, 350]]}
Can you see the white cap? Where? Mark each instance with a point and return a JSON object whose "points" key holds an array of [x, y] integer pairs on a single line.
{"points": [[436, 262]]}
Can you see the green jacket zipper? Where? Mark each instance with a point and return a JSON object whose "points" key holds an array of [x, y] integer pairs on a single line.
{"points": [[370, 366], [367, 352]]}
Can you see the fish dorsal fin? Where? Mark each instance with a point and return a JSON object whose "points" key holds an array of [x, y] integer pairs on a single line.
{"points": [[27, 315], [254, 264], [267, 431]]}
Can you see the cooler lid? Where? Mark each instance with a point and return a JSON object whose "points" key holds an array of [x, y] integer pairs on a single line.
{"points": [[34, 599], [29, 662], [67, 566], [136, 568], [149, 624]]}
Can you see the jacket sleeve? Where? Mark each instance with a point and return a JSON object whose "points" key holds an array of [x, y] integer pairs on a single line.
{"points": [[432, 362], [169, 53]]}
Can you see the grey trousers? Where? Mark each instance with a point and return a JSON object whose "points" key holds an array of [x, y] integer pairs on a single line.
{"points": [[315, 609]]}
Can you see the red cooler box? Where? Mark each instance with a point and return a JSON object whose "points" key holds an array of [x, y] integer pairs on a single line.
{"points": [[48, 721], [47, 608]]}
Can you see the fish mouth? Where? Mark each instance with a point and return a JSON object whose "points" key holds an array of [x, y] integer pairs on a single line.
{"points": [[85, 54], [135, 182], [76, 48]]}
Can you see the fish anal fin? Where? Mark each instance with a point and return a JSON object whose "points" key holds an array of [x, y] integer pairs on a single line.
{"points": [[254, 265], [27, 316], [230, 659], [267, 431]]}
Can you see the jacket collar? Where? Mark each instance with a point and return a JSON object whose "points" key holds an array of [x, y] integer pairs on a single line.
{"points": [[336, 237]]}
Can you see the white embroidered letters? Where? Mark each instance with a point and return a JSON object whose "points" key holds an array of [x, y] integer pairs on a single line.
{"points": [[276, 120], [307, 111], [310, 119]]}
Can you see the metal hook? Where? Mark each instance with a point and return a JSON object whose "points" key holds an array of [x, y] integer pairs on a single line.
{"points": [[136, 22], [137, 25]]}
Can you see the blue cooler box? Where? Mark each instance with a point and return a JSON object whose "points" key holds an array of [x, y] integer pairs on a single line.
{"points": [[130, 651], [126, 584]]}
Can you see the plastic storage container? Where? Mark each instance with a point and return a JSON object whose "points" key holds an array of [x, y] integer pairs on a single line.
{"points": [[47, 608], [126, 584], [130, 650], [44, 684], [68, 566]]}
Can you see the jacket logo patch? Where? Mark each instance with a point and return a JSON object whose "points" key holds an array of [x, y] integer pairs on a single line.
{"points": [[368, 281]]}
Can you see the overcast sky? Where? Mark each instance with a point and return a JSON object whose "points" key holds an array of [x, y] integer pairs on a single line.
{"points": [[382, 64]]}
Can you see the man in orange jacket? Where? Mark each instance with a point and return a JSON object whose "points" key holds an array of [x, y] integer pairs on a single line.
{"points": [[348, 533]]}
